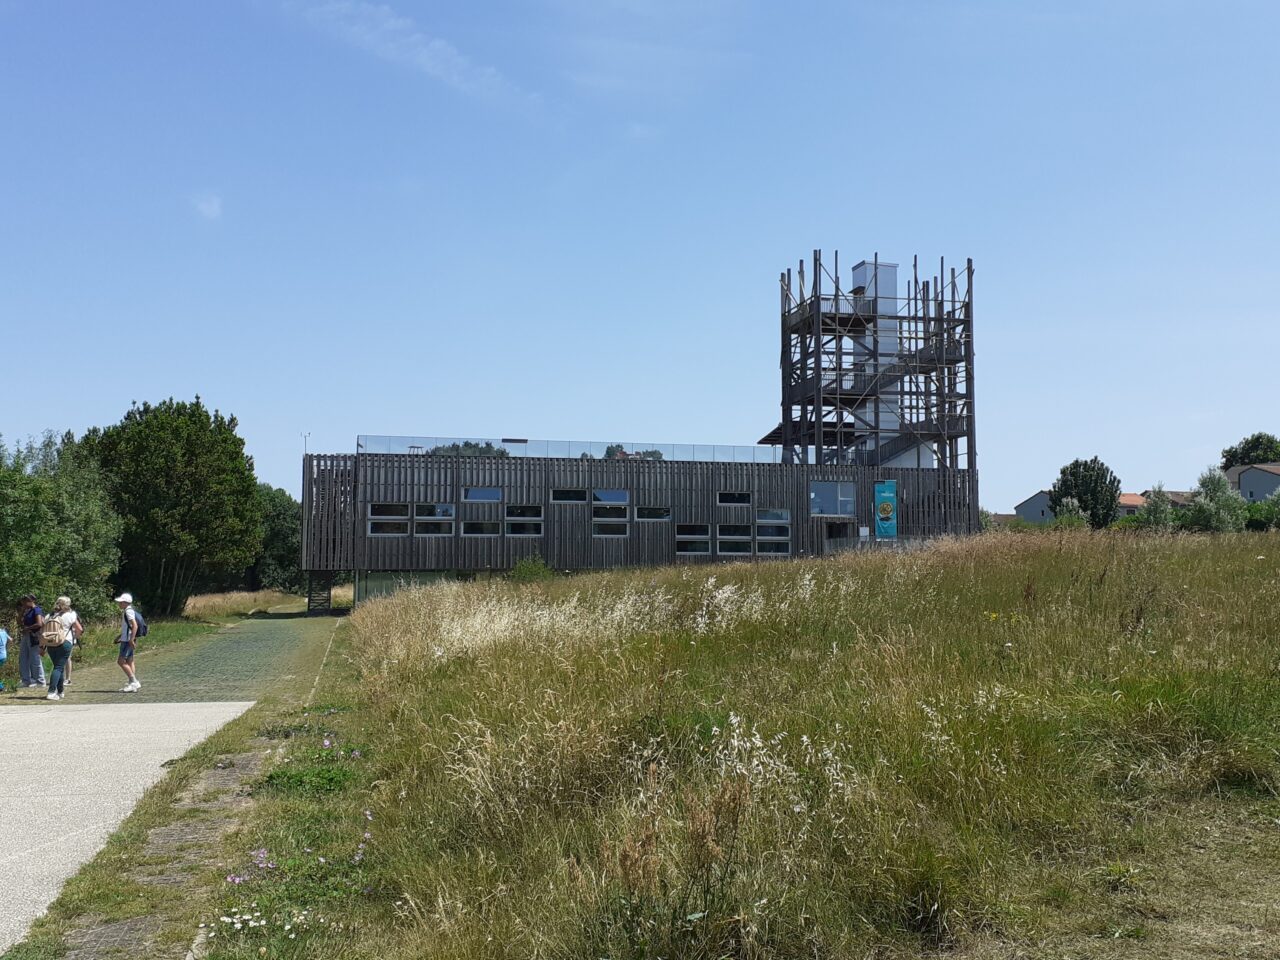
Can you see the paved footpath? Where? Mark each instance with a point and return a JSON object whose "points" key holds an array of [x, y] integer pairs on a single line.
{"points": [[57, 808]]}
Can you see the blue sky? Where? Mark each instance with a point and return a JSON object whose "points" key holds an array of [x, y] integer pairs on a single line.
{"points": [[566, 219]]}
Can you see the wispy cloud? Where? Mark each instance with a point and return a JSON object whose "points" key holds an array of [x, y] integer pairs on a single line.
{"points": [[208, 205], [378, 29]]}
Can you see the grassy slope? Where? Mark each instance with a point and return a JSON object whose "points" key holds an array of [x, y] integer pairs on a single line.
{"points": [[1000, 741]]}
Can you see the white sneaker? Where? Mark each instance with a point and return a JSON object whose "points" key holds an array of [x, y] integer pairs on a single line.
{"points": [[128, 688], [53, 696], [137, 685]]}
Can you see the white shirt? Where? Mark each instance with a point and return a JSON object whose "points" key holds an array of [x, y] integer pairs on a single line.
{"points": [[68, 621]]}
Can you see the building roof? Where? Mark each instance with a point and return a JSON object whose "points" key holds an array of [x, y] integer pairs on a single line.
{"points": [[1234, 473], [1132, 500], [1030, 498]]}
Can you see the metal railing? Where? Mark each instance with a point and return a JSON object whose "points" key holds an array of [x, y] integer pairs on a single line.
{"points": [[568, 449]]}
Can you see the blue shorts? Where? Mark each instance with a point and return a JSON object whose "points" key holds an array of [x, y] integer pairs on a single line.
{"points": [[126, 650]]}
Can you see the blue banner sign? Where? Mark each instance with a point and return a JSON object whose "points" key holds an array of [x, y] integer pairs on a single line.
{"points": [[886, 509]]}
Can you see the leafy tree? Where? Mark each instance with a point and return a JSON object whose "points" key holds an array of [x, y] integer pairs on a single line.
{"points": [[277, 566], [1215, 508], [1256, 448], [180, 479], [1264, 514], [1069, 515], [58, 532], [1093, 486], [1157, 513], [986, 520], [468, 448]]}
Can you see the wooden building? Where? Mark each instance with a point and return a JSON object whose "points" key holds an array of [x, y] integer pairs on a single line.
{"points": [[394, 516], [875, 387]]}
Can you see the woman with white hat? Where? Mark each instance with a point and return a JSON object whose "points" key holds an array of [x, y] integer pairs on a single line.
{"points": [[61, 629]]}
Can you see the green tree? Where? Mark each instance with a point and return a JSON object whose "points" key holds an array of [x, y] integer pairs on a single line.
{"points": [[1069, 515], [1264, 514], [178, 475], [277, 566], [1256, 448], [1215, 508], [58, 531], [1157, 513], [1093, 486]]}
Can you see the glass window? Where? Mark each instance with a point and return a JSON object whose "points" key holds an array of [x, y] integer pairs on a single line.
{"points": [[482, 494], [773, 515], [388, 528], [608, 529], [693, 529], [527, 528], [830, 498], [610, 496], [519, 512], [728, 498], [734, 546], [693, 546], [568, 496], [389, 510], [609, 513], [773, 531], [781, 547], [653, 513], [437, 511], [734, 530], [481, 528], [433, 528]]}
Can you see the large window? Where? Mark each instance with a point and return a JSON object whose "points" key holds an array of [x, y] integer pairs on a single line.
{"points": [[653, 513], [734, 531], [693, 530], [734, 547], [433, 528], [482, 494], [775, 547], [693, 546], [481, 528], [608, 513], [773, 515], [773, 531], [388, 520], [434, 511], [568, 496], [831, 498], [730, 498], [608, 529], [524, 520], [610, 496]]}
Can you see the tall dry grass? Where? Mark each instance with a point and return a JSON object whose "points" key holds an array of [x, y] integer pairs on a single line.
{"points": [[808, 758], [237, 603]]}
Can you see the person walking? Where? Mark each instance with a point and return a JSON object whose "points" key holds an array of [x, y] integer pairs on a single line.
{"points": [[61, 628], [128, 642], [4, 651], [30, 663]]}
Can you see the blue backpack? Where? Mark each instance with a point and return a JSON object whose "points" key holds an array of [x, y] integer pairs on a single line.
{"points": [[142, 623]]}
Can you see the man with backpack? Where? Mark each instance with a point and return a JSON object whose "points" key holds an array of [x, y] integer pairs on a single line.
{"points": [[30, 663], [132, 626]]}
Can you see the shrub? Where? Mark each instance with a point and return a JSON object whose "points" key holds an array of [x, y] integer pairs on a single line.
{"points": [[1215, 508], [531, 570]]}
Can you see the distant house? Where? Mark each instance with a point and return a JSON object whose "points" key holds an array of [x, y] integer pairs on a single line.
{"points": [[1178, 499], [1130, 504], [1035, 509], [1255, 481]]}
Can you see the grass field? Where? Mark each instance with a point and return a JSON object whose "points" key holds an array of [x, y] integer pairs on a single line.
{"points": [[993, 742]]}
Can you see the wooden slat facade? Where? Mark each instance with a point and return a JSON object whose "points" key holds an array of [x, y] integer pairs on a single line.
{"points": [[338, 489]]}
